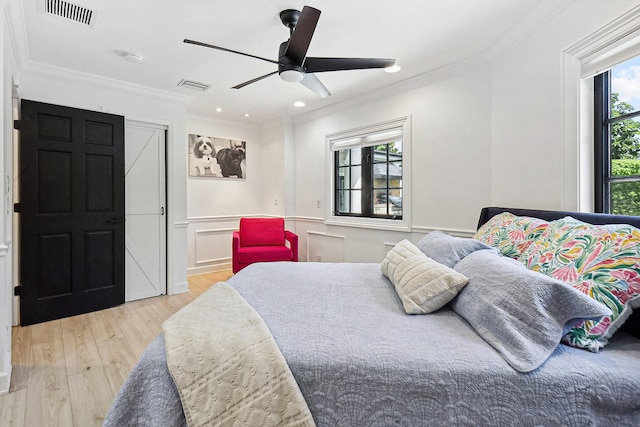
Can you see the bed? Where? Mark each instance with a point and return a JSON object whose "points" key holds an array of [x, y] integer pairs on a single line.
{"points": [[358, 359]]}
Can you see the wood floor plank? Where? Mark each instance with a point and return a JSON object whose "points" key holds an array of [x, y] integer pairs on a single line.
{"points": [[13, 407], [80, 348], [116, 355], [138, 334], [91, 397], [20, 349], [48, 400]]}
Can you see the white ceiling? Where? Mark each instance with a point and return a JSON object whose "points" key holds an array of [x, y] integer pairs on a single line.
{"points": [[422, 35]]}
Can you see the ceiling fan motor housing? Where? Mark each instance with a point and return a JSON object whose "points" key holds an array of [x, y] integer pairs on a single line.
{"points": [[285, 63]]}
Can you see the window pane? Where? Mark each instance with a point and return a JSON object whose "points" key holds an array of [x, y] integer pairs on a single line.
{"points": [[395, 174], [356, 201], [624, 83], [625, 99], [625, 198], [356, 156], [625, 167], [343, 157], [356, 177], [625, 136], [380, 202], [395, 202], [343, 178], [396, 147], [380, 175], [342, 204]]}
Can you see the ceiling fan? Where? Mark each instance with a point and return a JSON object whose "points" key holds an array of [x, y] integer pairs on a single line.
{"points": [[293, 63]]}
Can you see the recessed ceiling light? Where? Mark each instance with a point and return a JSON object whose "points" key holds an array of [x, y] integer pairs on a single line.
{"points": [[246, 114], [219, 109], [299, 104], [393, 69]]}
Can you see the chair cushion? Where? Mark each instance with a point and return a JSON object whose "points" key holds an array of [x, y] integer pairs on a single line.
{"points": [[253, 254], [261, 232]]}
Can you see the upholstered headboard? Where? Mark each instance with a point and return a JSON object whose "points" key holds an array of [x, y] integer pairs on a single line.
{"points": [[632, 325]]}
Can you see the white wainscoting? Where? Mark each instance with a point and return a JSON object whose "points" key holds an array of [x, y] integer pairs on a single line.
{"points": [[209, 240], [323, 247], [212, 246]]}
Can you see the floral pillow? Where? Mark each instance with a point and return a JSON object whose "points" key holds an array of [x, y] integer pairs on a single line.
{"points": [[601, 261], [511, 234]]}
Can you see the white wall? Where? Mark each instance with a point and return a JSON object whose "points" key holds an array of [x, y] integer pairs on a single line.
{"points": [[529, 113], [451, 116], [214, 205]]}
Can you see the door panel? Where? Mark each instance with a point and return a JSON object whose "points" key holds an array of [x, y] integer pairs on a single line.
{"points": [[72, 211], [145, 259]]}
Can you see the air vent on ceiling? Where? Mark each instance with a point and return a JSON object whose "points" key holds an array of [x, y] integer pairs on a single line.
{"points": [[70, 11], [190, 84]]}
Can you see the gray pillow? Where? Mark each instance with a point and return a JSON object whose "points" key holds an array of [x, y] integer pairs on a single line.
{"points": [[446, 249], [520, 312]]}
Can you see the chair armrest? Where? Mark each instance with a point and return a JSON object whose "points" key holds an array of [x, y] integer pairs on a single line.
{"points": [[292, 238], [236, 239], [235, 247]]}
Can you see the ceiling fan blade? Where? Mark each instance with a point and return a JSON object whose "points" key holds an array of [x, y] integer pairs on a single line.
{"points": [[302, 34], [318, 65], [228, 50], [241, 85], [310, 81]]}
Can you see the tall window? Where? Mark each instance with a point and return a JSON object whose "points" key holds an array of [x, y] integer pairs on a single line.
{"points": [[617, 139], [369, 172]]}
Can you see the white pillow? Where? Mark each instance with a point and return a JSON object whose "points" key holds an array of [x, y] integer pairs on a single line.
{"points": [[422, 284]]}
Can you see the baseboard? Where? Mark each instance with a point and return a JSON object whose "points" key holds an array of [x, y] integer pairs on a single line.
{"points": [[191, 271], [5, 376]]}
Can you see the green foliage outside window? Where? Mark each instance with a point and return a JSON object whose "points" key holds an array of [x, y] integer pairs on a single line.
{"points": [[625, 160], [624, 134]]}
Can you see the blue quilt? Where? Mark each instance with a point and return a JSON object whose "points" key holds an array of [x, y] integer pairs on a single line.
{"points": [[360, 360]]}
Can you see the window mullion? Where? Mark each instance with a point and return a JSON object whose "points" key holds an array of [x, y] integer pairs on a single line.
{"points": [[367, 181], [601, 141]]}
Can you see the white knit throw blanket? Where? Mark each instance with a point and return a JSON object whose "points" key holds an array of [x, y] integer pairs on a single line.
{"points": [[228, 368]]}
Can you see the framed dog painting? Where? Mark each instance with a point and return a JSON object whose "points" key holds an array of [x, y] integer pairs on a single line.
{"points": [[217, 157]]}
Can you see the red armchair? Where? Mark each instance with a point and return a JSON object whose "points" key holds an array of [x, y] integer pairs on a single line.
{"points": [[262, 240]]}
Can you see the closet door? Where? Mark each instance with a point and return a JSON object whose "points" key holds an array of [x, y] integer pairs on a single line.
{"points": [[145, 254]]}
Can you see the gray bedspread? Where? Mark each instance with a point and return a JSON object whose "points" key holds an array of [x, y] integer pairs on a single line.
{"points": [[360, 360]]}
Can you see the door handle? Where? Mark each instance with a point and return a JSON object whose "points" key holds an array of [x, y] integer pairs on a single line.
{"points": [[114, 221], [162, 210]]}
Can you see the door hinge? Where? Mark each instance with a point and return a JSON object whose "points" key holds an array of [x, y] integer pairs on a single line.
{"points": [[16, 207], [16, 124], [17, 291]]}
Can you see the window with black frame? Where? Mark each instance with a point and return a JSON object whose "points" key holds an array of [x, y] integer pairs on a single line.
{"points": [[368, 176], [617, 139]]}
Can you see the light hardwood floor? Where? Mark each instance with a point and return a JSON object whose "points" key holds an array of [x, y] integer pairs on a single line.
{"points": [[66, 372]]}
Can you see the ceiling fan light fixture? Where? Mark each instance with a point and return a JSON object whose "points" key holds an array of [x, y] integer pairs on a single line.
{"points": [[393, 69], [292, 76]]}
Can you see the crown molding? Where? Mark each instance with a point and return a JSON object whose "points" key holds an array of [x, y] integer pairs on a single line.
{"points": [[49, 71]]}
